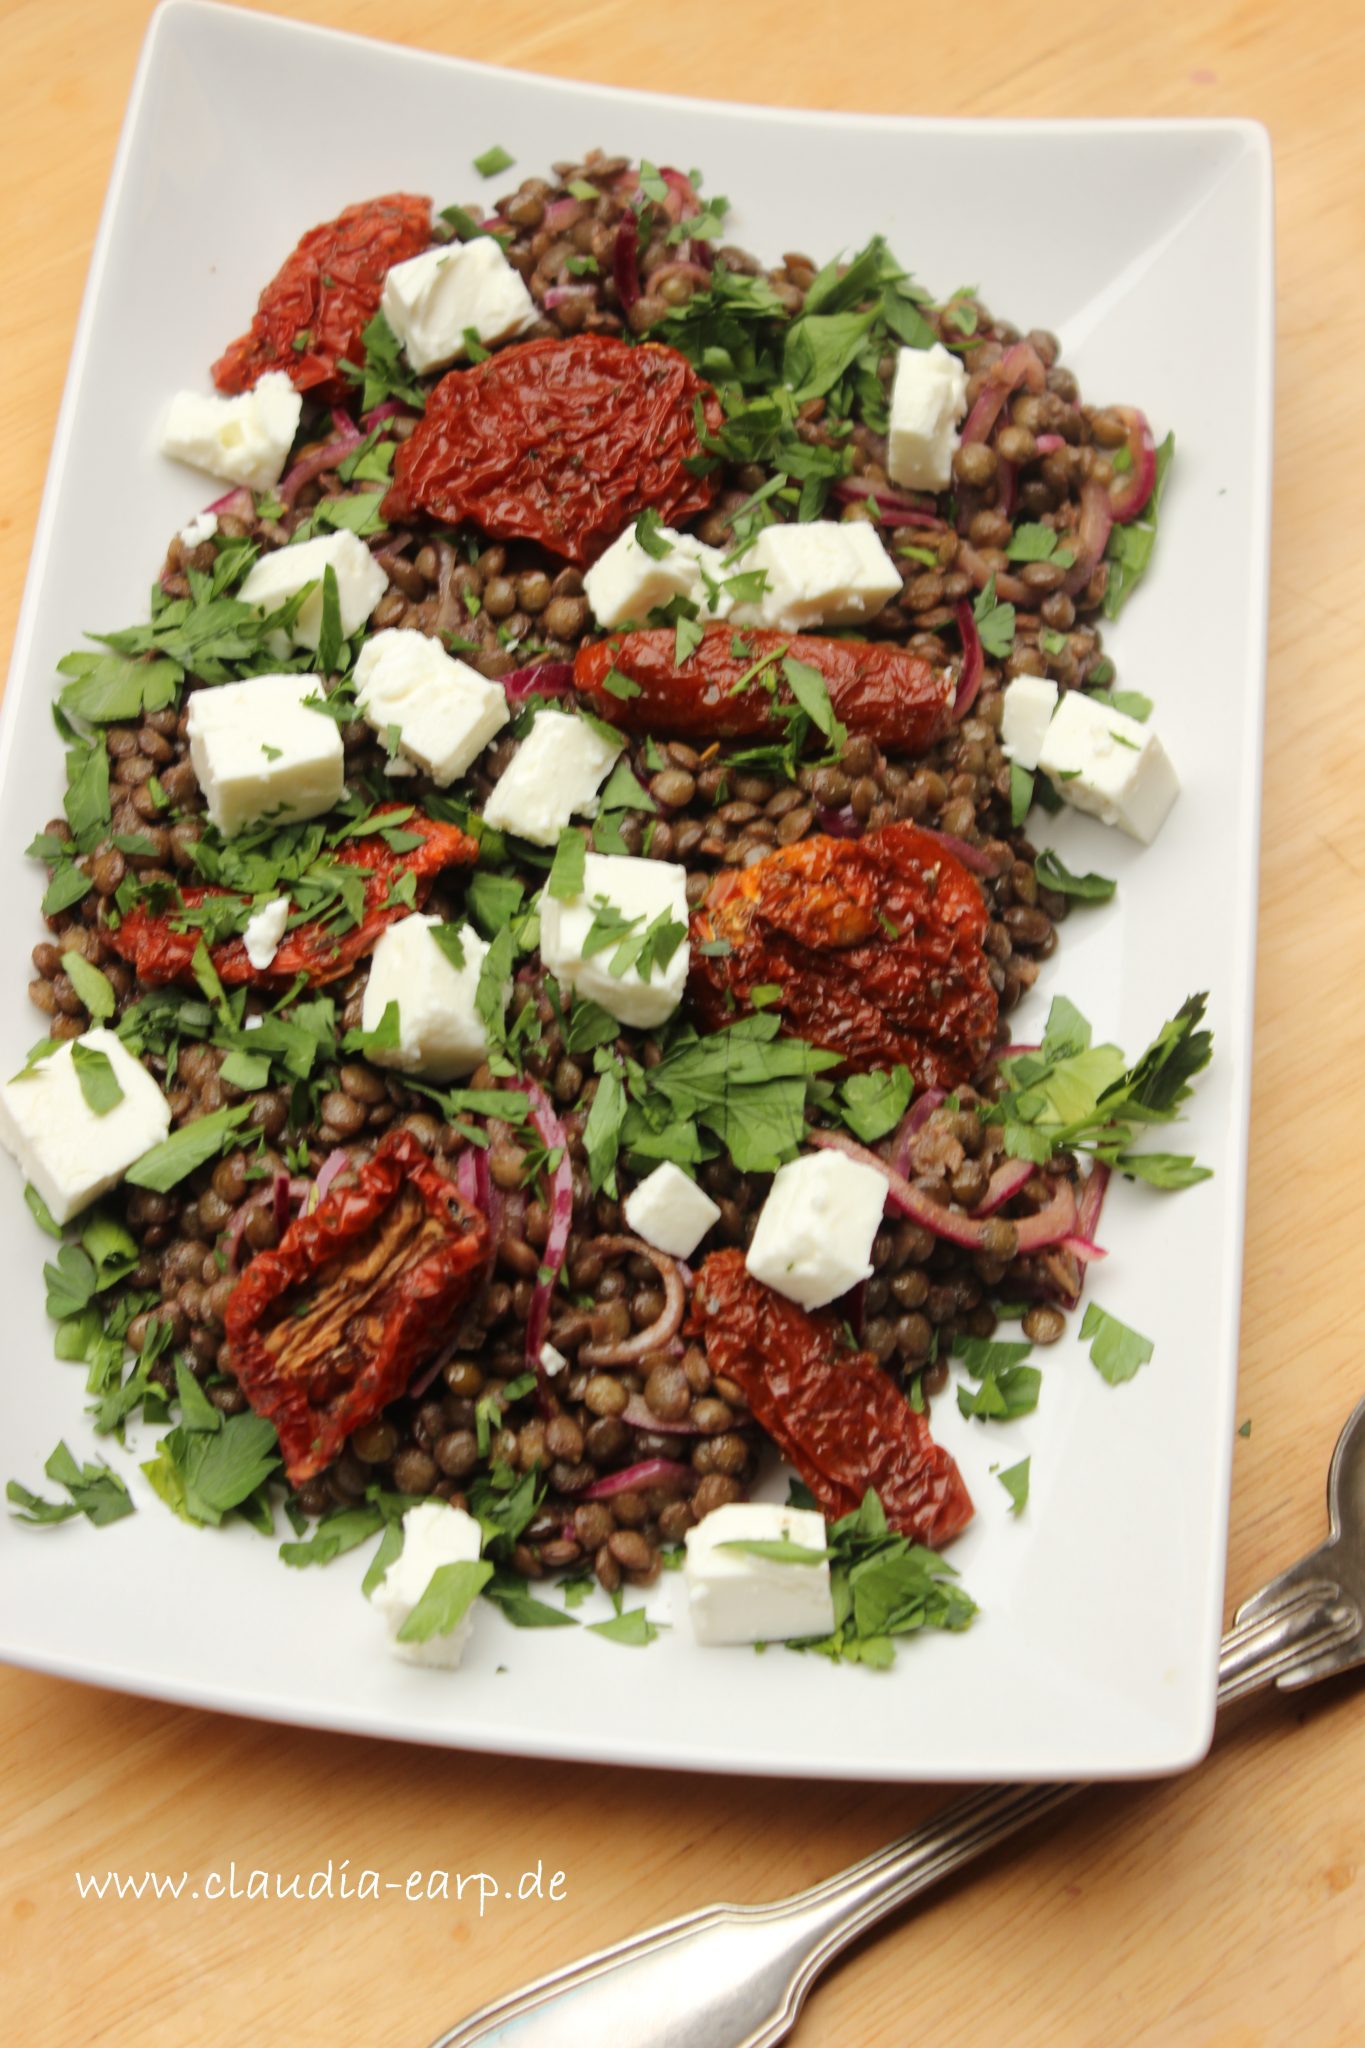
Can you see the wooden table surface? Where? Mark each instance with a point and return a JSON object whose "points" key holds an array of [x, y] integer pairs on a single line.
{"points": [[1221, 1911]]}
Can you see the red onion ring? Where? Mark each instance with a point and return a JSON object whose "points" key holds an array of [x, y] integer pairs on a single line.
{"points": [[681, 266], [1047, 1227], [638, 1413], [1092, 1201], [564, 294], [653, 1472], [1003, 1183], [309, 467], [1020, 364], [1129, 500], [1092, 536], [851, 490], [553, 1136], [391, 409], [973, 661], [630, 1350], [974, 857]]}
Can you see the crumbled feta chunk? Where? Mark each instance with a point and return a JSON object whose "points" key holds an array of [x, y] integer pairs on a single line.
{"points": [[813, 1238], [445, 712], [260, 751], [1029, 704], [67, 1152], [554, 776], [627, 581], [670, 1211], [435, 301], [245, 440], [1108, 764], [928, 398], [264, 930], [552, 1362], [735, 1597], [642, 891], [821, 572], [202, 527], [434, 1534], [440, 1031], [360, 583]]}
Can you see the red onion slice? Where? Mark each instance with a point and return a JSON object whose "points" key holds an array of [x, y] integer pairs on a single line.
{"points": [[563, 294], [335, 1163], [625, 260], [973, 661], [561, 213], [1048, 1226], [544, 679], [656, 1337], [1048, 444], [841, 824], [1009, 589], [238, 503], [391, 409], [851, 490], [653, 1472]]}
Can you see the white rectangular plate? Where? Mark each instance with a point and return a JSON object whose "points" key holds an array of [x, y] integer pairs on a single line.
{"points": [[1095, 1650]]}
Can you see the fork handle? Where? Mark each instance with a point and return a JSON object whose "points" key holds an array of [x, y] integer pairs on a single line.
{"points": [[736, 1976]]}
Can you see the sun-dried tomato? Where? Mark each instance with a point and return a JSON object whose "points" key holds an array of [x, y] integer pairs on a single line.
{"points": [[869, 947], [564, 442], [311, 315], [833, 1413], [328, 1328], [895, 698], [160, 952]]}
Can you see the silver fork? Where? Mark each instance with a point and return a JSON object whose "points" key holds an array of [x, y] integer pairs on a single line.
{"points": [[736, 1976]]}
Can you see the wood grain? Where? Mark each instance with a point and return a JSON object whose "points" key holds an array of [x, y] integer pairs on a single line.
{"points": [[1221, 1911]]}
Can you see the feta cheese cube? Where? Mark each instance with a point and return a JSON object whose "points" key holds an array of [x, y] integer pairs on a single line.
{"points": [[260, 751], [1029, 704], [642, 891], [1110, 765], [67, 1152], [434, 1534], [202, 527], [627, 581], [552, 1362], [361, 583], [555, 775], [433, 300], [928, 398], [735, 1597], [670, 1211], [813, 1239], [441, 1033], [264, 930], [830, 572], [244, 440], [446, 712]]}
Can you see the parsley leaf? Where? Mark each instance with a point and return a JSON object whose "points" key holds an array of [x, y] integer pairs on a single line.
{"points": [[449, 940], [1015, 1482], [450, 1594], [96, 1492], [1021, 794], [633, 1627], [1116, 1352], [649, 535], [95, 989], [168, 1163], [1052, 873], [100, 1085], [874, 1104], [994, 623]]}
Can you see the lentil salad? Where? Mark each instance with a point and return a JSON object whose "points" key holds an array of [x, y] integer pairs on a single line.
{"points": [[637, 1447]]}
